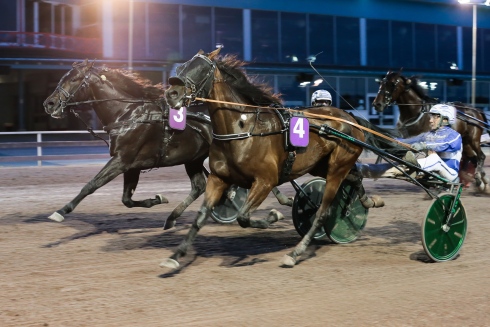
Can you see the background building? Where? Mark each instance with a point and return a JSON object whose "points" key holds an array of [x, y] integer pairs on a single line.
{"points": [[351, 43]]}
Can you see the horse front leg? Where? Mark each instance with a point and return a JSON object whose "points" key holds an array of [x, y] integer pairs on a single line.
{"points": [[198, 185], [214, 190], [131, 179], [111, 170]]}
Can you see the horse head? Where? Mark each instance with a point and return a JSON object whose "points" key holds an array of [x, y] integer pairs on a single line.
{"points": [[390, 88], [70, 85], [194, 79]]}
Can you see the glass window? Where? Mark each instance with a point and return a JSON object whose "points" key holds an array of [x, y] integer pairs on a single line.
{"points": [[265, 36], [45, 17], [484, 52], [402, 45], [139, 30], [229, 30], [9, 16], [293, 37], [322, 38], [425, 46], [164, 32], [352, 90], [482, 95], [292, 94], [378, 43], [120, 19], [447, 52], [196, 34], [457, 92], [348, 41], [467, 49]]}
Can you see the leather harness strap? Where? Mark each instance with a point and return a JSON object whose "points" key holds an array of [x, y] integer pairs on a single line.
{"points": [[308, 114]]}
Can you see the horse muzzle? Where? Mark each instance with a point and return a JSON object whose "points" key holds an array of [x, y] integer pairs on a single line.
{"points": [[53, 108], [175, 96], [379, 106]]}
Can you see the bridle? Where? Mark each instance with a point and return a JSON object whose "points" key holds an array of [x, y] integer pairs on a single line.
{"points": [[388, 95], [199, 80], [195, 78], [389, 100], [68, 96]]}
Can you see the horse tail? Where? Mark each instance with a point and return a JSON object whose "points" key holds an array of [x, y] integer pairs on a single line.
{"points": [[391, 147]]}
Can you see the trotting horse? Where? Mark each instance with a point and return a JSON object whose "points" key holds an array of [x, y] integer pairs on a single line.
{"points": [[413, 103], [248, 148], [133, 113]]}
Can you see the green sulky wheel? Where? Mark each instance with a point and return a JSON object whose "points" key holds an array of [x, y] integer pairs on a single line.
{"points": [[442, 239], [226, 211], [347, 216], [305, 207]]}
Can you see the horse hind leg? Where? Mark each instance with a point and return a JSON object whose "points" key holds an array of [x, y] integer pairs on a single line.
{"points": [[198, 185], [333, 181], [131, 179], [281, 198], [258, 193], [111, 170], [481, 180]]}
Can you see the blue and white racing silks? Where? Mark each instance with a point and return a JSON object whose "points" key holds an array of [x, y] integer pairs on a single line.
{"points": [[445, 141]]}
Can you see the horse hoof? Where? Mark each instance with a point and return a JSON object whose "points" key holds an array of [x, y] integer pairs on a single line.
{"points": [[57, 217], [290, 202], [480, 187], [170, 263], [276, 214], [378, 201], [169, 224], [160, 198], [288, 261]]}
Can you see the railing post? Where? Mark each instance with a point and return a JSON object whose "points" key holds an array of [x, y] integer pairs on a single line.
{"points": [[39, 148]]}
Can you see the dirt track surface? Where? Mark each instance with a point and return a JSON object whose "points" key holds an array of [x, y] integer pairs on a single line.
{"points": [[100, 267]]}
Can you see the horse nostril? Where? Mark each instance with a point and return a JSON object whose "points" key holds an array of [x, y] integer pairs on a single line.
{"points": [[173, 94]]}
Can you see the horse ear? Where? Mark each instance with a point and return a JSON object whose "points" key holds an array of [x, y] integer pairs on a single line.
{"points": [[85, 62], [400, 71], [200, 52], [214, 53]]}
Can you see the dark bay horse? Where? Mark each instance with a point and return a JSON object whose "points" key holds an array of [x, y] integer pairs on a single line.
{"points": [[135, 115], [132, 112], [413, 103], [248, 148]]}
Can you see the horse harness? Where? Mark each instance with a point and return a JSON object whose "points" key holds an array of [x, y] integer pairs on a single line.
{"points": [[116, 128]]}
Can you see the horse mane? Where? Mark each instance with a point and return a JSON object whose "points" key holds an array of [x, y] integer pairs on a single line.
{"points": [[133, 84], [251, 88], [415, 86]]}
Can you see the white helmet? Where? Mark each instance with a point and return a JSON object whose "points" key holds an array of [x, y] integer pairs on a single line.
{"points": [[321, 95], [446, 111]]}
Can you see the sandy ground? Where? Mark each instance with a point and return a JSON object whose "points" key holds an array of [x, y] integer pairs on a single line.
{"points": [[100, 267]]}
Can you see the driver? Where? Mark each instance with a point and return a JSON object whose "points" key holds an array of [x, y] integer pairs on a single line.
{"points": [[442, 144], [321, 98]]}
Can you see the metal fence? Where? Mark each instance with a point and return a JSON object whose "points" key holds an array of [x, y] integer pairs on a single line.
{"points": [[52, 148]]}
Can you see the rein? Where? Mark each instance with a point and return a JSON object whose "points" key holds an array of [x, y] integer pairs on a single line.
{"points": [[311, 115], [89, 129]]}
